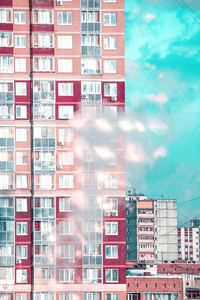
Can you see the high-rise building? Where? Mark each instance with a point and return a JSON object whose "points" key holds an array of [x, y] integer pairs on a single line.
{"points": [[151, 229], [188, 244], [62, 181]]}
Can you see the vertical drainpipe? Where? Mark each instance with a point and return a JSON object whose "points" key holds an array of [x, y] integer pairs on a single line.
{"points": [[32, 153]]}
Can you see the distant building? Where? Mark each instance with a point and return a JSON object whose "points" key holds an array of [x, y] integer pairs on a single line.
{"points": [[151, 229], [195, 223], [188, 244]]}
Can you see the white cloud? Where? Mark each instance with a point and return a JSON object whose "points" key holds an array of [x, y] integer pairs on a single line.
{"points": [[157, 126], [159, 99], [149, 17], [160, 152]]}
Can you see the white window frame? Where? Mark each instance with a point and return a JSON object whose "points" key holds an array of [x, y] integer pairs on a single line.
{"points": [[68, 275], [65, 41], [21, 14], [68, 17], [66, 158], [112, 251], [110, 89], [21, 204], [21, 296], [6, 64], [109, 15], [112, 296], [111, 231], [67, 296], [21, 43], [21, 88], [65, 135], [23, 249], [21, 134], [21, 275], [66, 227], [23, 225], [20, 65], [110, 42], [111, 275], [21, 181], [67, 251], [6, 39], [110, 66], [44, 40], [66, 181], [65, 111], [3, 15], [65, 65], [66, 204], [65, 89], [21, 111], [42, 19], [45, 63]]}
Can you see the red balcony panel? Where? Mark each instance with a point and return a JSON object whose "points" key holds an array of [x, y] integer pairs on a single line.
{"points": [[7, 27], [7, 3], [69, 99], [24, 99], [42, 27], [43, 51], [42, 3], [121, 207], [6, 50]]}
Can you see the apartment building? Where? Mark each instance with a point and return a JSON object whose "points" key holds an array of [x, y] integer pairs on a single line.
{"points": [[188, 244], [151, 229], [62, 194]]}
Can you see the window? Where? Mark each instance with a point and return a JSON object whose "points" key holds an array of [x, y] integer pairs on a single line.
{"points": [[65, 18], [65, 89], [111, 251], [22, 252], [4, 182], [21, 158], [90, 40], [42, 40], [110, 66], [112, 296], [20, 64], [111, 228], [111, 275], [20, 41], [65, 65], [65, 135], [110, 1], [21, 204], [66, 181], [21, 276], [67, 296], [64, 41], [47, 273], [67, 251], [65, 111], [66, 275], [5, 15], [21, 296], [6, 39], [46, 182], [111, 205], [90, 16], [21, 181], [65, 204], [43, 64], [42, 16], [110, 19], [92, 296], [66, 158], [92, 275], [110, 42], [90, 87], [21, 112], [111, 181], [20, 17], [66, 227], [21, 134], [21, 89], [6, 64], [110, 89]]}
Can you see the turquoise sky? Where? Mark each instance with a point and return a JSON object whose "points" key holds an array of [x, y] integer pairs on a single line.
{"points": [[163, 92]]}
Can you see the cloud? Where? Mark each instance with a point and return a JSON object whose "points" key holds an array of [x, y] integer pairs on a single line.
{"points": [[160, 152], [149, 17], [159, 99], [157, 126]]}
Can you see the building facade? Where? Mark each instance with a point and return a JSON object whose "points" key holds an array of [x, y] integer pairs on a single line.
{"points": [[62, 190], [151, 229], [188, 244]]}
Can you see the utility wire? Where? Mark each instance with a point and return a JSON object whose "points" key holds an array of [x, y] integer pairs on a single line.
{"points": [[185, 6]]}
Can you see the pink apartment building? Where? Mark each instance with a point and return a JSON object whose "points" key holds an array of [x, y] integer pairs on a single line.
{"points": [[62, 204]]}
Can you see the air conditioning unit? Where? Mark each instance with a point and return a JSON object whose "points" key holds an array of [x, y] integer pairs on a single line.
{"points": [[114, 213], [113, 98], [18, 261], [59, 3], [84, 97], [59, 167], [60, 143]]}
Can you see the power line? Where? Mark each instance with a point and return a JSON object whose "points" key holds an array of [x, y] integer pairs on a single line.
{"points": [[185, 6]]}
